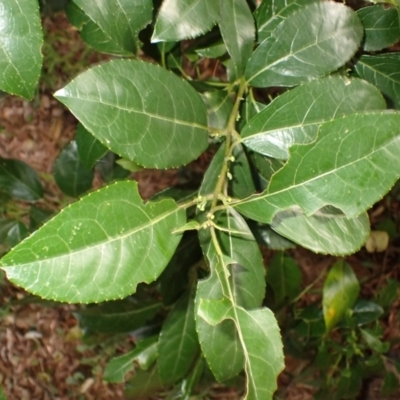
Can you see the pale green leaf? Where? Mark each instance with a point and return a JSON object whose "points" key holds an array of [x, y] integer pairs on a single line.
{"points": [[220, 344], [144, 354], [213, 51], [178, 345], [382, 71], [20, 47], [381, 26], [185, 19], [118, 20], [340, 292], [98, 248], [132, 108], [351, 165], [295, 116], [330, 35], [261, 342], [327, 231], [238, 32], [271, 13]]}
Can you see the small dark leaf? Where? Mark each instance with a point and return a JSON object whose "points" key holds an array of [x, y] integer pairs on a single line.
{"points": [[37, 216], [17, 233], [90, 150], [5, 226], [19, 180], [72, 177], [366, 311], [143, 384]]}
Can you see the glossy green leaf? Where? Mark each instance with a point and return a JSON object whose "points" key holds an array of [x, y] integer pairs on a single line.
{"points": [[241, 184], [5, 225], [128, 18], [373, 340], [187, 19], [131, 107], [381, 26], [365, 312], [71, 176], [219, 106], [178, 345], [117, 316], [238, 32], [19, 180], [20, 47], [266, 236], [261, 342], [17, 233], [354, 157], [270, 14], [82, 255], [295, 116], [220, 344], [331, 33], [90, 150], [327, 231], [213, 51], [340, 292], [382, 71], [144, 354], [109, 170], [284, 277]]}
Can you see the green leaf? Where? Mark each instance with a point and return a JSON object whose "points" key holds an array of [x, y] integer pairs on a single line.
{"points": [[349, 383], [128, 18], [343, 164], [220, 344], [327, 231], [37, 217], [390, 384], [90, 257], [144, 354], [271, 13], [284, 277], [387, 294], [238, 32], [340, 292], [143, 384], [211, 176], [365, 312], [383, 72], [20, 43], [330, 35], [178, 345], [17, 233], [373, 340], [261, 342], [131, 107], [381, 26], [214, 51], [90, 150], [117, 316], [5, 225], [295, 116], [186, 19], [19, 180], [242, 184], [71, 176], [109, 170], [219, 106], [266, 236]]}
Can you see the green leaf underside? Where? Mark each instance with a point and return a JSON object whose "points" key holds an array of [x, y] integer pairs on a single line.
{"points": [[19, 180], [133, 109], [144, 353], [383, 72], [238, 32], [271, 13], [117, 316], [351, 165], [128, 18], [178, 20], [220, 344], [71, 176], [82, 255], [90, 150], [261, 342], [178, 344], [381, 25], [20, 43], [340, 292], [329, 36], [324, 232], [295, 116]]}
